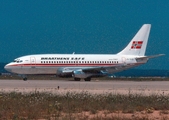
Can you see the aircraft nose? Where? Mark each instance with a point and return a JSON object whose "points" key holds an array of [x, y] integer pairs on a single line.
{"points": [[7, 68]]}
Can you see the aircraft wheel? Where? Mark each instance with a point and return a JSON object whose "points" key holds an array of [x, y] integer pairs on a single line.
{"points": [[25, 79], [87, 79], [77, 79]]}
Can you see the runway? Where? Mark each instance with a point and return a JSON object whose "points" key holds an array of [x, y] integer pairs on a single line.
{"points": [[94, 87]]}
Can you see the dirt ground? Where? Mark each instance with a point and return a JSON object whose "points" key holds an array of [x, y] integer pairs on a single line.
{"points": [[148, 115]]}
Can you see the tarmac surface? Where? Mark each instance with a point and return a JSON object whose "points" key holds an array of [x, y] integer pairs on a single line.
{"points": [[94, 87]]}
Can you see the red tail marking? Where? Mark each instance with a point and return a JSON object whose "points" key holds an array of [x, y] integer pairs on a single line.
{"points": [[136, 44]]}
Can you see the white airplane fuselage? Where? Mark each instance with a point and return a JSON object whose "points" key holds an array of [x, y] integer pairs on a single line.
{"points": [[50, 63]]}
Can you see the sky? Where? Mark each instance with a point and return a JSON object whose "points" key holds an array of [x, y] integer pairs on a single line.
{"points": [[82, 26]]}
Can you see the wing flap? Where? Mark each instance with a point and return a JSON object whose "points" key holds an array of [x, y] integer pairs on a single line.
{"points": [[105, 69]]}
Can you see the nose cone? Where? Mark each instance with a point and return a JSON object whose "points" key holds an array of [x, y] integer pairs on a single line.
{"points": [[7, 68]]}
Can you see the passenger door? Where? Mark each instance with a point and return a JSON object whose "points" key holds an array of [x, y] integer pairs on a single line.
{"points": [[32, 62]]}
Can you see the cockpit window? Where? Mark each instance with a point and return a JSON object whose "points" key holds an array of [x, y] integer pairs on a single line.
{"points": [[15, 61], [18, 61]]}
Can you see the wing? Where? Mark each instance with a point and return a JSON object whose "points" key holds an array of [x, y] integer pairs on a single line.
{"points": [[104, 70], [89, 71]]}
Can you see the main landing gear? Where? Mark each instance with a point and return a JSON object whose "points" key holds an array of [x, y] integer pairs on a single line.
{"points": [[77, 79], [25, 79], [86, 79]]}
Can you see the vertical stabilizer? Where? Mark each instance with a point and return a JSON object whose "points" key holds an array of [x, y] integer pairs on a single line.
{"points": [[138, 44]]}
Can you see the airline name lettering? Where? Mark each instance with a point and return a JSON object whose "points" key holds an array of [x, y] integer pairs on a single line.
{"points": [[62, 58]]}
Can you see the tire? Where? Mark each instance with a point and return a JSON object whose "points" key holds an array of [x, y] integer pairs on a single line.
{"points": [[25, 79], [77, 79], [87, 79]]}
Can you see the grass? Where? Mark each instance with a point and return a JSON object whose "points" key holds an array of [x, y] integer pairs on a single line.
{"points": [[78, 106]]}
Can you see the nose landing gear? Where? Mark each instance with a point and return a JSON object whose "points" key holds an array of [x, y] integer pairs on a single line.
{"points": [[24, 77]]}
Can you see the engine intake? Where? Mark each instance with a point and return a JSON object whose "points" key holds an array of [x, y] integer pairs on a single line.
{"points": [[80, 74], [64, 72]]}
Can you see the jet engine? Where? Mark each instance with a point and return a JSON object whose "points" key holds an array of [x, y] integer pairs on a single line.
{"points": [[80, 74], [64, 72]]}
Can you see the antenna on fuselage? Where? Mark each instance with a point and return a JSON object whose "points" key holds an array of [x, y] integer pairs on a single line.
{"points": [[73, 53]]}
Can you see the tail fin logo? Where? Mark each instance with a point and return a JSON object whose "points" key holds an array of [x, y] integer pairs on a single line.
{"points": [[136, 44]]}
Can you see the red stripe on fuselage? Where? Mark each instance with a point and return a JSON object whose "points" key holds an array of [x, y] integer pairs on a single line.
{"points": [[59, 65]]}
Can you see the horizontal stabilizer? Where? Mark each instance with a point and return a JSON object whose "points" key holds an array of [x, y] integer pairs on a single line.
{"points": [[153, 56]]}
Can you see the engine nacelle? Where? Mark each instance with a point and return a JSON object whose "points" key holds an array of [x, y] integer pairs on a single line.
{"points": [[80, 74], [64, 72], [69, 72]]}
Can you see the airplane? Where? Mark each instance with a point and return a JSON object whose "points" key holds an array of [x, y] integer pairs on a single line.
{"points": [[85, 66]]}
